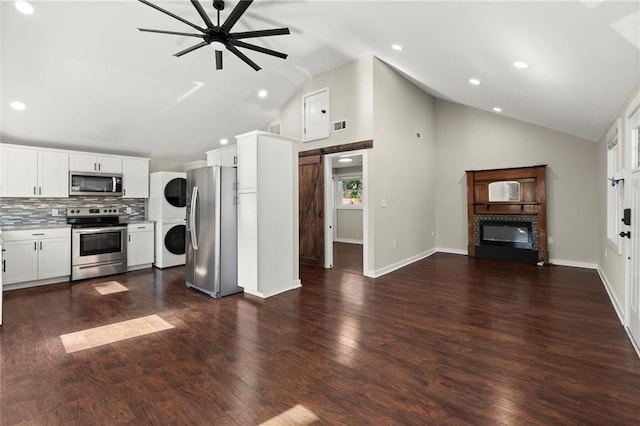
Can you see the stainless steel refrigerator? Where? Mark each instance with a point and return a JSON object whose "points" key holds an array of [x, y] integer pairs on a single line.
{"points": [[211, 240]]}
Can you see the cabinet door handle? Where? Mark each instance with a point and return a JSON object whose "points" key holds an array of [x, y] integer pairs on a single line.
{"points": [[124, 192], [39, 190], [235, 159], [35, 235], [40, 245], [35, 245], [98, 166], [34, 190], [4, 265], [95, 166], [129, 238]]}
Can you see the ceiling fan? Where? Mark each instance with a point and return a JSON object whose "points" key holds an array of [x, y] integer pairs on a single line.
{"points": [[222, 33]]}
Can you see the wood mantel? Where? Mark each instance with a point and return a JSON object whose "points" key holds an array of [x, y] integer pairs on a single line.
{"points": [[533, 201]]}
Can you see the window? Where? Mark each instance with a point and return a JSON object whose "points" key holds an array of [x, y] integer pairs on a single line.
{"points": [[614, 188], [349, 192]]}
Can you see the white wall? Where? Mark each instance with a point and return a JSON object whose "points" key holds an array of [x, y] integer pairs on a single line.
{"points": [[612, 265], [350, 89], [471, 139], [402, 170], [349, 225]]}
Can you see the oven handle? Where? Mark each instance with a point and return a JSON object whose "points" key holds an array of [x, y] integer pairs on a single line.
{"points": [[192, 218], [99, 230]]}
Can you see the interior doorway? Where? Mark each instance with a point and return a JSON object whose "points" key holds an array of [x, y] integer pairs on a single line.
{"points": [[346, 211]]}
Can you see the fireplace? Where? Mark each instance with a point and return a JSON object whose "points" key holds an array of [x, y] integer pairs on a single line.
{"points": [[513, 240], [507, 214]]}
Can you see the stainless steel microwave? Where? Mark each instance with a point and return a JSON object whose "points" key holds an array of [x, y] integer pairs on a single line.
{"points": [[95, 183]]}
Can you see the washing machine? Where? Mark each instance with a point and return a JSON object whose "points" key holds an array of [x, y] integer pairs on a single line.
{"points": [[170, 243], [167, 195], [168, 207]]}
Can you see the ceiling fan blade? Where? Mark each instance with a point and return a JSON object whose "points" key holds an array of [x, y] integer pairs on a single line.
{"points": [[146, 30], [218, 59], [237, 12], [166, 12], [191, 49], [260, 33], [259, 49], [202, 13], [244, 57]]}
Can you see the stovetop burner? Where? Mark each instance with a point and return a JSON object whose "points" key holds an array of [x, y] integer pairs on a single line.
{"points": [[87, 217]]}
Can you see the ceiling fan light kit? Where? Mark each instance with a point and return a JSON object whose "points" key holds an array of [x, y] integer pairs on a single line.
{"points": [[221, 33]]}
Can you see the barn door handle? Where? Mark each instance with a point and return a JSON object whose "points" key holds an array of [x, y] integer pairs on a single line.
{"points": [[626, 234], [324, 111], [320, 214]]}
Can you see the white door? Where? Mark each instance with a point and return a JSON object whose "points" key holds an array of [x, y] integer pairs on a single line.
{"points": [[19, 172], [633, 285], [140, 248], [83, 163], [315, 115], [54, 258], [109, 164], [135, 178], [53, 174], [247, 163], [20, 261]]}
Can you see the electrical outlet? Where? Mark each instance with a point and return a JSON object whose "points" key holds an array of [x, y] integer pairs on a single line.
{"points": [[128, 210], [54, 212], [550, 240]]}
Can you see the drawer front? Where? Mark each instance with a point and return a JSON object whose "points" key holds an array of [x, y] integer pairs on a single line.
{"points": [[139, 227], [36, 234]]}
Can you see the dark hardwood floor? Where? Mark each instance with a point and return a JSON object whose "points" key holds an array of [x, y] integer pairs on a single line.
{"points": [[447, 340]]}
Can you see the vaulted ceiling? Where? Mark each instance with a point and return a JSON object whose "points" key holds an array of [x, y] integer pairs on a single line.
{"points": [[90, 80]]}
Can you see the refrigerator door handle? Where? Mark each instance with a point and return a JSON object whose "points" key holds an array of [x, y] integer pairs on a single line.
{"points": [[192, 219]]}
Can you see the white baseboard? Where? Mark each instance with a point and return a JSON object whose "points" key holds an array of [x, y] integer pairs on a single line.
{"points": [[382, 271], [347, 240], [295, 284], [27, 284], [573, 263], [633, 342], [451, 251], [612, 296]]}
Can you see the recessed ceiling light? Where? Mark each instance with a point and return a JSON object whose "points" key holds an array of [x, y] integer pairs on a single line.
{"points": [[521, 65], [17, 105], [24, 7], [397, 47], [224, 141], [497, 109], [263, 93], [345, 160], [474, 81]]}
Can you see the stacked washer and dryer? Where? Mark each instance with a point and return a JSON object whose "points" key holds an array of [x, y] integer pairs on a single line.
{"points": [[168, 207]]}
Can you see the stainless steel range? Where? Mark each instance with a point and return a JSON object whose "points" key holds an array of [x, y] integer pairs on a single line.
{"points": [[98, 242]]}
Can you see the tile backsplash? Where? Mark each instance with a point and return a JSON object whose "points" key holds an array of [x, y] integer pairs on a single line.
{"points": [[38, 211]]}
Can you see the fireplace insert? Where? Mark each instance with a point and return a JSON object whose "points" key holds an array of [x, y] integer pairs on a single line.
{"points": [[507, 240]]}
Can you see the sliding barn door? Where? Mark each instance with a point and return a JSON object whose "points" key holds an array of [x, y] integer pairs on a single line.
{"points": [[311, 205]]}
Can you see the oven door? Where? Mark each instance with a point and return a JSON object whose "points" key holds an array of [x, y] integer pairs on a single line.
{"points": [[95, 245]]}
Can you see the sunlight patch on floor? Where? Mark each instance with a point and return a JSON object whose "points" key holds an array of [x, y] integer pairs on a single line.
{"points": [[112, 333], [110, 287], [298, 415]]}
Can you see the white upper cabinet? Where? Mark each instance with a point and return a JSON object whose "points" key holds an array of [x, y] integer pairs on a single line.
{"points": [[315, 115], [135, 177], [248, 162], [29, 172], [225, 157], [95, 163], [53, 174]]}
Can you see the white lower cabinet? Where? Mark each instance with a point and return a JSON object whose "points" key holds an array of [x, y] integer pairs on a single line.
{"points": [[33, 255], [140, 245]]}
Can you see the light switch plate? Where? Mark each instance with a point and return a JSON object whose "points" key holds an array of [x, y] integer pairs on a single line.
{"points": [[54, 212]]}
